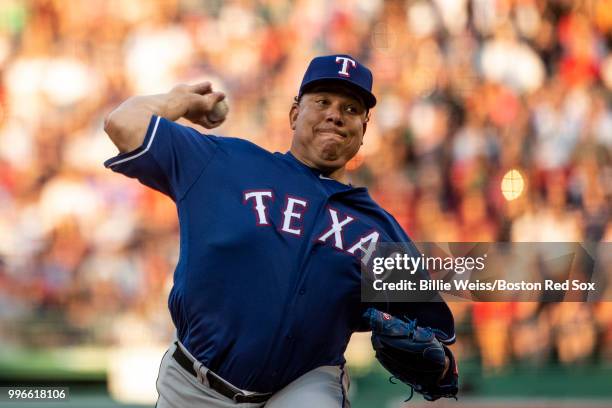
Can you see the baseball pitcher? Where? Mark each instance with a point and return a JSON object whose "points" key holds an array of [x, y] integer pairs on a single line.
{"points": [[267, 288]]}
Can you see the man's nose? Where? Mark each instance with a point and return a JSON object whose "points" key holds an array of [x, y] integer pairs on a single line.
{"points": [[334, 114]]}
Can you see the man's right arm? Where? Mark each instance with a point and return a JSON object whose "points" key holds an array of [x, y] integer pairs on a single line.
{"points": [[127, 124]]}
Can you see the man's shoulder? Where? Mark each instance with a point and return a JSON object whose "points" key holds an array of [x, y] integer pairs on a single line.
{"points": [[244, 152], [228, 142], [390, 225], [241, 144], [244, 149]]}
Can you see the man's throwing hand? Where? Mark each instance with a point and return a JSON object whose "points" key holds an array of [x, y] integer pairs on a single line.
{"points": [[202, 104]]}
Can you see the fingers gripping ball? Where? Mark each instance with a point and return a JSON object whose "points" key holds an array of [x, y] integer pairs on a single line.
{"points": [[413, 355], [218, 112]]}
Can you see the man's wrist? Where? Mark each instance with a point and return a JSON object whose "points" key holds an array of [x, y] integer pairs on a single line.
{"points": [[171, 106]]}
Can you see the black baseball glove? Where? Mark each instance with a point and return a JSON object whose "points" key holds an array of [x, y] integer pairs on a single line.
{"points": [[413, 355]]}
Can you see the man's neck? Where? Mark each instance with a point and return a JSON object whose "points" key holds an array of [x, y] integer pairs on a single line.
{"points": [[337, 174]]}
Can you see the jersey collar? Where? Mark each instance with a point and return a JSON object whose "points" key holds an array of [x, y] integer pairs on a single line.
{"points": [[314, 171]]}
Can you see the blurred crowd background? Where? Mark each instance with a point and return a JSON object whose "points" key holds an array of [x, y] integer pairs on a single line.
{"points": [[467, 90]]}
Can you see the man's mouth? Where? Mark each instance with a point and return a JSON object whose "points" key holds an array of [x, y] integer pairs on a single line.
{"points": [[332, 132]]}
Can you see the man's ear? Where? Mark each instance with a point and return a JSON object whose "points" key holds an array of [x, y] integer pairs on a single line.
{"points": [[293, 114]]}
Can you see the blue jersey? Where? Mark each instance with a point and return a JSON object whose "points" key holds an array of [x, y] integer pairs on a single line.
{"points": [[268, 282]]}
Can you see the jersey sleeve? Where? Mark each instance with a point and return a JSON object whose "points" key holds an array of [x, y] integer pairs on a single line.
{"points": [[170, 159]]}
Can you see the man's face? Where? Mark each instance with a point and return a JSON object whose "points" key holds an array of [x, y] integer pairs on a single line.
{"points": [[328, 126]]}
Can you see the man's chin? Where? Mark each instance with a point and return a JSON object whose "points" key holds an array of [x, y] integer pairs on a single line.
{"points": [[326, 159], [329, 153]]}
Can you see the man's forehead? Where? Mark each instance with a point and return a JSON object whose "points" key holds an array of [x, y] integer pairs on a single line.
{"points": [[335, 88]]}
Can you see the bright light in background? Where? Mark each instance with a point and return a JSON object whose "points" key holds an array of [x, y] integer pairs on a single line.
{"points": [[146, 47], [66, 197], [422, 19], [66, 81], [512, 185], [132, 374]]}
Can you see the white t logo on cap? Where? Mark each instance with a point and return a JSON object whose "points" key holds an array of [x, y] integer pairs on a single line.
{"points": [[345, 65]]}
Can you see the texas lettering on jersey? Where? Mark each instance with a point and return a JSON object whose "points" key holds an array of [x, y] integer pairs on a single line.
{"points": [[292, 214]]}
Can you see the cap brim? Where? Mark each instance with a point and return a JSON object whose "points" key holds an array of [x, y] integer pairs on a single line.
{"points": [[368, 98]]}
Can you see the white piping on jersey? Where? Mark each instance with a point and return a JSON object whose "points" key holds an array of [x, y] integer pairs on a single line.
{"points": [[146, 148], [447, 341], [324, 178]]}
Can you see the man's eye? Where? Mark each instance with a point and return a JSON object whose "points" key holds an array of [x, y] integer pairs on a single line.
{"points": [[352, 109], [321, 102]]}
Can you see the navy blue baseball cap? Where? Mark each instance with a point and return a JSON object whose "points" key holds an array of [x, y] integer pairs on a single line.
{"points": [[341, 68]]}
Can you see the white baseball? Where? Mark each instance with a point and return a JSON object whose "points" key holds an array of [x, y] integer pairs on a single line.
{"points": [[218, 112]]}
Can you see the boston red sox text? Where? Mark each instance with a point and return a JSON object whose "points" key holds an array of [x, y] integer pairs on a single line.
{"points": [[478, 285]]}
